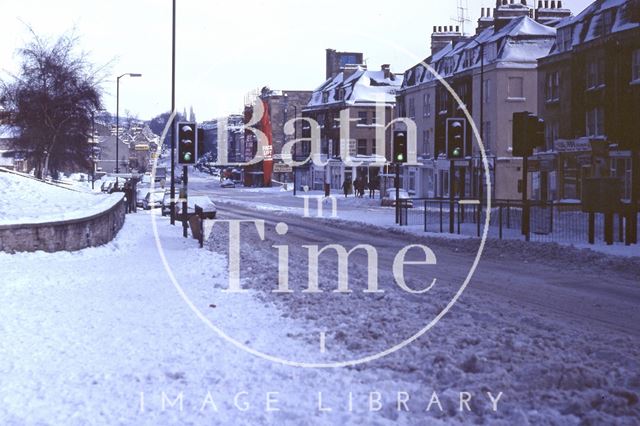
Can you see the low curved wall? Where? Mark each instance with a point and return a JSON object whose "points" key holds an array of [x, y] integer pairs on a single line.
{"points": [[69, 235]]}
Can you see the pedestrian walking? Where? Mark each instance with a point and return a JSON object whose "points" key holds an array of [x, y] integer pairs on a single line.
{"points": [[346, 186]]}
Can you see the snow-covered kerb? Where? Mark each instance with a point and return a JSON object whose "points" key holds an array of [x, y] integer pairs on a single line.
{"points": [[38, 216]]}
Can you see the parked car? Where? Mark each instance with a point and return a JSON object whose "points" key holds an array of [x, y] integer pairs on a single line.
{"points": [[227, 183], [208, 207], [152, 200], [389, 198]]}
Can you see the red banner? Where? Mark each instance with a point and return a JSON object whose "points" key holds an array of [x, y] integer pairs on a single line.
{"points": [[267, 164]]}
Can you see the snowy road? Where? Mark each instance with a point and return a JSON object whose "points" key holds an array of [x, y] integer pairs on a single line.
{"points": [[101, 336], [555, 329]]}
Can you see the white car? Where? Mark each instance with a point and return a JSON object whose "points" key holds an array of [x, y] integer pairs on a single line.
{"points": [[153, 200], [227, 183], [208, 207], [390, 198]]}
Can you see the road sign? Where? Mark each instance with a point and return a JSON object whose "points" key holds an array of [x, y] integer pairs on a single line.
{"points": [[282, 168]]}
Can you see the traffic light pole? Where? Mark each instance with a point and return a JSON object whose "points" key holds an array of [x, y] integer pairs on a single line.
{"points": [[452, 171], [185, 195], [397, 182], [525, 198]]}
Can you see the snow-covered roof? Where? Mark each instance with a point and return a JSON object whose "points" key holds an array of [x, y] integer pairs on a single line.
{"points": [[518, 44], [600, 18], [363, 86]]}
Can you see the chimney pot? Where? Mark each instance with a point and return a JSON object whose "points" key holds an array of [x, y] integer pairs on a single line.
{"points": [[553, 4], [435, 28], [559, 4], [539, 4], [439, 29], [546, 4], [457, 28], [482, 12], [524, 2], [513, 1]]}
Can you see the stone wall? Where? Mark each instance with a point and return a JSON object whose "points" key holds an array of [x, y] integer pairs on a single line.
{"points": [[68, 235]]}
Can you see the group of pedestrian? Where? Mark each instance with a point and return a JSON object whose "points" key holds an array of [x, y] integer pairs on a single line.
{"points": [[359, 187]]}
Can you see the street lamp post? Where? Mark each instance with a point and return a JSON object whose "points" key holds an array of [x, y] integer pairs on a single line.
{"points": [[93, 145], [118, 112]]}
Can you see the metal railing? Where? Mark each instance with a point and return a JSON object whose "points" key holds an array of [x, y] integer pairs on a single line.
{"points": [[549, 221]]}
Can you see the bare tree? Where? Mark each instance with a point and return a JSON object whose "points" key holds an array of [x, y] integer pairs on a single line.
{"points": [[50, 101]]}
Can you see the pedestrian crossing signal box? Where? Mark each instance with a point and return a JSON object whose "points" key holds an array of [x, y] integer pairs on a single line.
{"points": [[187, 143]]}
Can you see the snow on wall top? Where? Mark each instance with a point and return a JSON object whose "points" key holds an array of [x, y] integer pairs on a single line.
{"points": [[25, 200], [519, 43], [363, 86]]}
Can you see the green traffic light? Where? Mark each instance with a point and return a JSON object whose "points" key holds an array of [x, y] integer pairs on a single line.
{"points": [[187, 156], [456, 152], [400, 157]]}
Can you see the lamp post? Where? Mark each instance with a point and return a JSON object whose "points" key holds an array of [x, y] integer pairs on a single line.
{"points": [[172, 203], [93, 145], [118, 112]]}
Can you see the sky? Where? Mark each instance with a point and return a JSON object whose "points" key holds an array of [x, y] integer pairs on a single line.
{"points": [[225, 49]]}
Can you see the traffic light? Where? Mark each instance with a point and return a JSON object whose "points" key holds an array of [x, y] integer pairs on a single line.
{"points": [[187, 143], [456, 136], [400, 147], [528, 133]]}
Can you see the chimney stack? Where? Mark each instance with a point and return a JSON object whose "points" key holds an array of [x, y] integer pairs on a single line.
{"points": [[550, 15], [445, 35], [386, 68]]}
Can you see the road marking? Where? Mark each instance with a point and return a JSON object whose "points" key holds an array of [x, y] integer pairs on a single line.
{"points": [[322, 342], [469, 202]]}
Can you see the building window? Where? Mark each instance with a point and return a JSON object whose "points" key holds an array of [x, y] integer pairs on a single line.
{"points": [[635, 66], [486, 137], [552, 89], [426, 100], [412, 182], [605, 22], [443, 102], [463, 95], [363, 117], [551, 133], [412, 108], [362, 147], [564, 38], [595, 121], [486, 90], [325, 97], [515, 89], [595, 73], [426, 142]]}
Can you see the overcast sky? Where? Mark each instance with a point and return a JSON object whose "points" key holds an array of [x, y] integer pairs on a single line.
{"points": [[228, 48]]}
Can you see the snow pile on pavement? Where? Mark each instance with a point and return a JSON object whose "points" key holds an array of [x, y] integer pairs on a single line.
{"points": [[25, 200], [97, 336]]}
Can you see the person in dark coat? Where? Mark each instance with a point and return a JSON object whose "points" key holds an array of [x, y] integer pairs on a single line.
{"points": [[346, 186]]}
